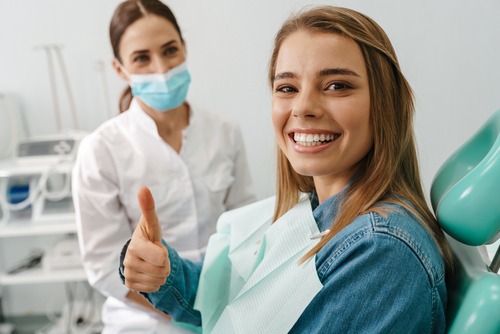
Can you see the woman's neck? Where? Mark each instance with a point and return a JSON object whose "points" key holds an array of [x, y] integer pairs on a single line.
{"points": [[170, 124], [327, 186]]}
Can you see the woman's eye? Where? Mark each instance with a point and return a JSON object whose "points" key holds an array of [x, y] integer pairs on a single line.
{"points": [[285, 89], [141, 59], [170, 51], [338, 86]]}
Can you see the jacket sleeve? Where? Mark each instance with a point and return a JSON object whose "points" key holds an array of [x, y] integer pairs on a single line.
{"points": [[373, 283], [102, 223], [177, 296]]}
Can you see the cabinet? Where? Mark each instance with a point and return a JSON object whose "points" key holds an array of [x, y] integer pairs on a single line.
{"points": [[39, 291], [37, 274], [57, 298], [56, 289]]}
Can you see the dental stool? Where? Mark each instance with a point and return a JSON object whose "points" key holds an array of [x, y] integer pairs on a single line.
{"points": [[465, 196]]}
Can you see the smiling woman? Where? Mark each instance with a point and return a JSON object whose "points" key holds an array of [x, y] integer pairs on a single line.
{"points": [[348, 245], [328, 96]]}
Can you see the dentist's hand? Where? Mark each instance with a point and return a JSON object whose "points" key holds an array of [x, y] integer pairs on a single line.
{"points": [[146, 264]]}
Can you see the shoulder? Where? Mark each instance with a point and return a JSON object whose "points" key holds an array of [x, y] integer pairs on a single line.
{"points": [[390, 273], [131, 123], [396, 238], [106, 139], [109, 129], [213, 121], [219, 133]]}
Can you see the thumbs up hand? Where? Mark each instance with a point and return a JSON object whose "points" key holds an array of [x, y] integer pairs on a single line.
{"points": [[146, 263]]}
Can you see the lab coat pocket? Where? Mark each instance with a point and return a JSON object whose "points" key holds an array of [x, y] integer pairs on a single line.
{"points": [[160, 192], [219, 181]]}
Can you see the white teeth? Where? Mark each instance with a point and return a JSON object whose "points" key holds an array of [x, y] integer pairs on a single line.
{"points": [[313, 139]]}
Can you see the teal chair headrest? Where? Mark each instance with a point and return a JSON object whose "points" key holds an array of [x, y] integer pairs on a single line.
{"points": [[465, 193]]}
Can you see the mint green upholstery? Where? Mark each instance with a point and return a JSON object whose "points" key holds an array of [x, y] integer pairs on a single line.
{"points": [[468, 187], [465, 196], [474, 297]]}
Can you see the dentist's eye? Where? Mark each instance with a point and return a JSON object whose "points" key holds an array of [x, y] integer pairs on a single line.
{"points": [[170, 51], [141, 59]]}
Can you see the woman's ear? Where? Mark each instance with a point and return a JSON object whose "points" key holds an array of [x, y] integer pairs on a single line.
{"points": [[119, 69]]}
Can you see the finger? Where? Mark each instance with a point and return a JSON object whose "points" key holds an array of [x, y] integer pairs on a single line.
{"points": [[152, 260], [132, 275], [141, 287], [153, 273], [149, 220], [142, 276]]}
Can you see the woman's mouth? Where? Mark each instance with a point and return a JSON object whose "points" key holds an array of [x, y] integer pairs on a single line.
{"points": [[313, 139]]}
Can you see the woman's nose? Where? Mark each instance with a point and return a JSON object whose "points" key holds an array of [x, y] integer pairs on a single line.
{"points": [[161, 65], [307, 104]]}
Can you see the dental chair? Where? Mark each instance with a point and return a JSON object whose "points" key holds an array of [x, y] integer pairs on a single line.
{"points": [[465, 196]]}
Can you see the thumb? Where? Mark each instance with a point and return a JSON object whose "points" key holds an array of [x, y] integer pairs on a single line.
{"points": [[149, 220]]}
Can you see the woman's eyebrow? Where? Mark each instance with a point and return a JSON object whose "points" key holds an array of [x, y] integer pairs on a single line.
{"points": [[337, 71], [322, 73], [283, 75], [146, 50], [139, 52], [168, 43]]}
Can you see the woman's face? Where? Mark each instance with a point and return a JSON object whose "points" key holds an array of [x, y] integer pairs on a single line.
{"points": [[321, 107], [151, 45]]}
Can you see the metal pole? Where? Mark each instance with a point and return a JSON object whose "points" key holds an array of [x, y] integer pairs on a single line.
{"points": [[64, 72], [53, 87]]}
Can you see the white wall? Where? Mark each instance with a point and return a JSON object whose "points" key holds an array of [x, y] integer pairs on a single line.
{"points": [[449, 50]]}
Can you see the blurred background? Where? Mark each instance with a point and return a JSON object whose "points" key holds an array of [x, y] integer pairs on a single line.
{"points": [[449, 51]]}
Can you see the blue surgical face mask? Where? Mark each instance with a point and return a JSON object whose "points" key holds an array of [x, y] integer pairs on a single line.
{"points": [[162, 92]]}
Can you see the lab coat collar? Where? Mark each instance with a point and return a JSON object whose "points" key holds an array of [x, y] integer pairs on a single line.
{"points": [[142, 119]]}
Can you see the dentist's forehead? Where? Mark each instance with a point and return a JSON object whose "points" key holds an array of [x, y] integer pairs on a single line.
{"points": [[150, 31]]}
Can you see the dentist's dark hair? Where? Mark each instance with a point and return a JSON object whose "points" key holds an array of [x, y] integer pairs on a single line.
{"points": [[126, 14]]}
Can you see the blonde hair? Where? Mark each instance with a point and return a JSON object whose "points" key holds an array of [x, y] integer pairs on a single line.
{"points": [[389, 172]]}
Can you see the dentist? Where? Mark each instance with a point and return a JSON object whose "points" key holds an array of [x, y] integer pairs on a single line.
{"points": [[193, 162]]}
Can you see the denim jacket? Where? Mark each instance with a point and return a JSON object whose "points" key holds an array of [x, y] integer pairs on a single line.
{"points": [[380, 274]]}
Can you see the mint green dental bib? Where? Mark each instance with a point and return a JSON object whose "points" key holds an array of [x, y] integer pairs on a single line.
{"points": [[251, 281]]}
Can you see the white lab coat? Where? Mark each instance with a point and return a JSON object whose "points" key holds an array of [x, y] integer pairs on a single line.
{"points": [[191, 189]]}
